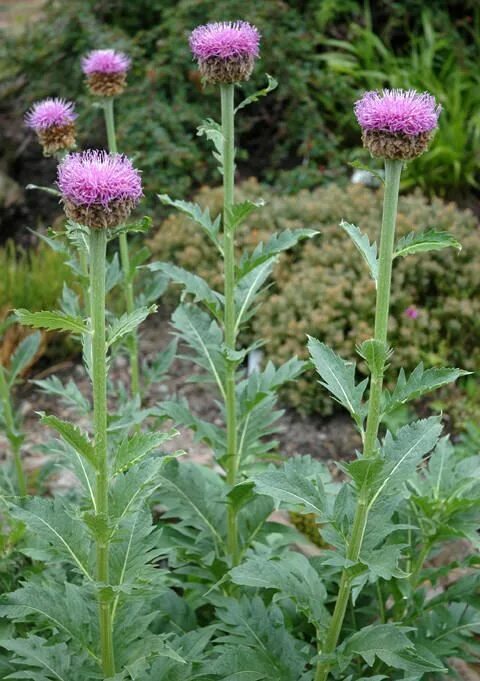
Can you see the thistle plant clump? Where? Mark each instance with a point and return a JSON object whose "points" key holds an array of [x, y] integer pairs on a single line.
{"points": [[161, 569]]}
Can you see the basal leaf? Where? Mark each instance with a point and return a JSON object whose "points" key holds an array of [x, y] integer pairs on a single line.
{"points": [[362, 242], [291, 576], [430, 240], [338, 377], [52, 321], [299, 482]]}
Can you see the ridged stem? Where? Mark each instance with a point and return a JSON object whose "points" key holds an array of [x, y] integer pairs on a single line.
{"points": [[98, 247], [393, 171], [232, 462], [132, 343]]}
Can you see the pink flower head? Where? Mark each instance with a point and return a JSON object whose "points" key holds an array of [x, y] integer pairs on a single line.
{"points": [[412, 312], [96, 177], [105, 61], [225, 40], [50, 112], [398, 111]]}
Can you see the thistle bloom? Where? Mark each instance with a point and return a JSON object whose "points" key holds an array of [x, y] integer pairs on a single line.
{"points": [[397, 124], [54, 122], [98, 189], [412, 312], [225, 51], [106, 72]]}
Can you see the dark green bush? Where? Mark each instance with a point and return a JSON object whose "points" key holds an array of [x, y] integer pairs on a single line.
{"points": [[323, 288]]}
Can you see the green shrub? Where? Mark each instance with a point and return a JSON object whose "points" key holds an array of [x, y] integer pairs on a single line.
{"points": [[307, 124], [324, 290]]}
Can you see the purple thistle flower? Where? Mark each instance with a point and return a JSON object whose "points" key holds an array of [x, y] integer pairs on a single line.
{"points": [[226, 50], [412, 312], [106, 72], [404, 111], [225, 39], [98, 189], [50, 112], [105, 61], [397, 124]]}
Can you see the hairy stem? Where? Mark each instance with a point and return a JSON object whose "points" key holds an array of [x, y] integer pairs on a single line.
{"points": [[393, 171], [98, 245], [11, 433], [125, 262], [227, 97]]}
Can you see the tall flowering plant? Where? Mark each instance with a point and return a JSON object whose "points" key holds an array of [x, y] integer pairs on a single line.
{"points": [[226, 53], [106, 539]]}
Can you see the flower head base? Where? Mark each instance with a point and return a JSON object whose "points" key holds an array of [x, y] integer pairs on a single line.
{"points": [[225, 51], [106, 72], [54, 122], [98, 189], [397, 124]]}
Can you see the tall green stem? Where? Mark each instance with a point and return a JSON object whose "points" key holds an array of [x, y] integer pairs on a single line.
{"points": [[98, 247], [11, 433], [227, 99], [125, 261], [393, 171]]}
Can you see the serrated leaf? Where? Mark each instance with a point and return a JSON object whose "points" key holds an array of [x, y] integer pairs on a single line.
{"points": [[201, 217], [127, 323], [61, 536], [24, 355], [292, 576], [192, 283], [72, 436], [39, 660], [362, 242], [53, 321], [338, 377], [376, 354], [401, 454], [299, 482], [138, 227], [69, 394], [135, 448], [238, 212], [247, 288], [65, 606], [420, 382], [377, 640], [214, 133], [358, 165], [275, 244], [430, 240], [272, 83], [205, 337]]}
